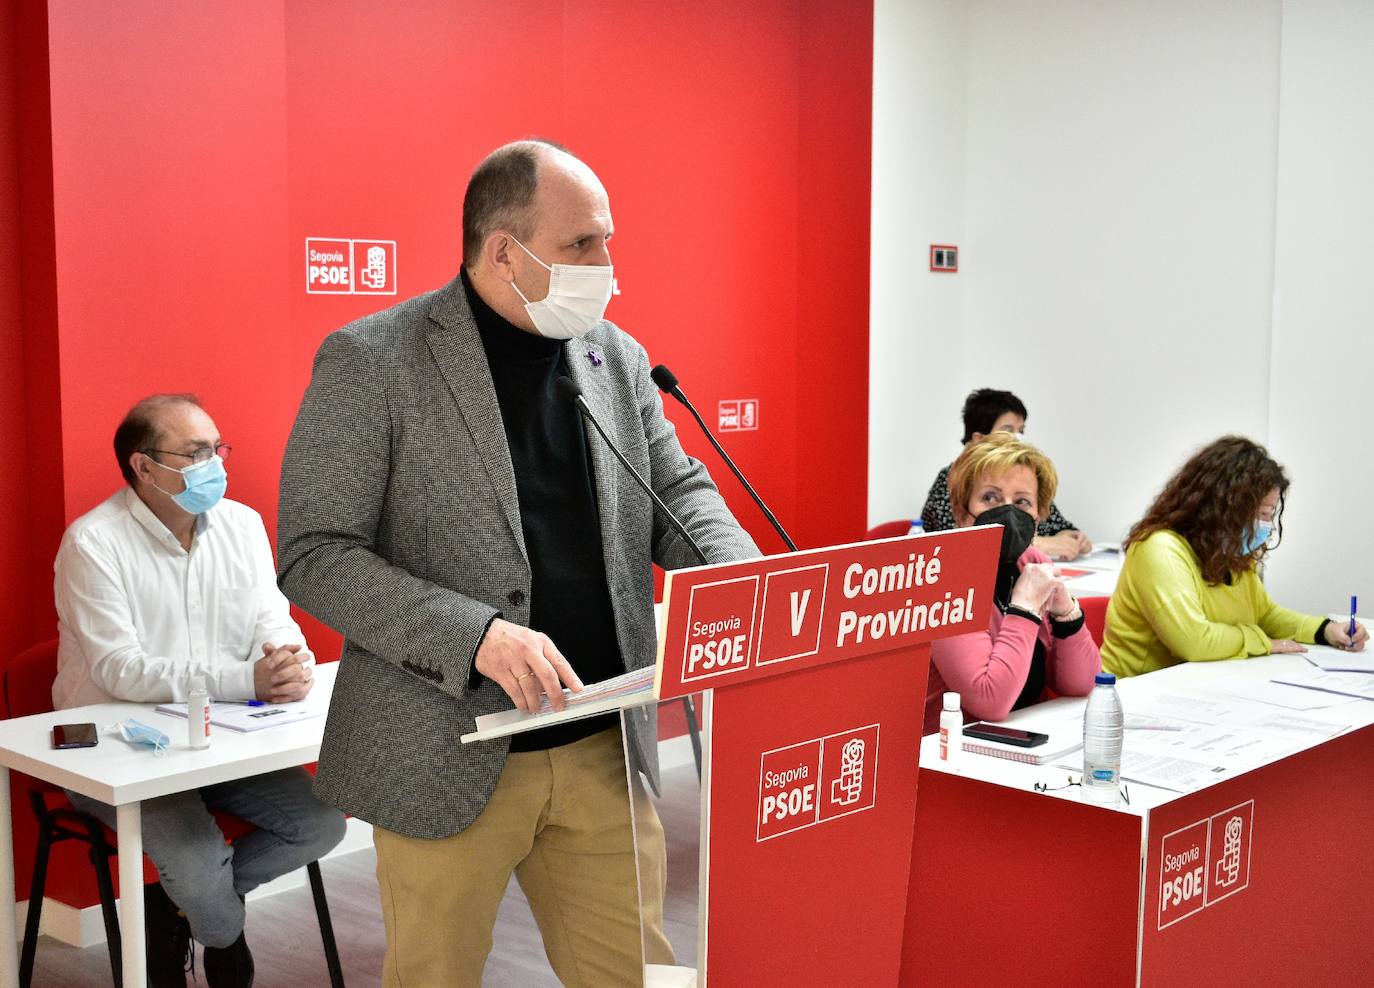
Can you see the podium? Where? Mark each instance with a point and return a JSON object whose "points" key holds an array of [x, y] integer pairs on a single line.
{"points": [[812, 669]]}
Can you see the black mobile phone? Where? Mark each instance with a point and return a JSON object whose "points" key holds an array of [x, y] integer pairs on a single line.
{"points": [[1007, 735], [74, 736]]}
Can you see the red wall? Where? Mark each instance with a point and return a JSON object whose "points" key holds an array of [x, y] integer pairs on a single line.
{"points": [[194, 148], [13, 422]]}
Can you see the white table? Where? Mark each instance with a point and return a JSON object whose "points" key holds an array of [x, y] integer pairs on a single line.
{"points": [[124, 775], [1186, 678], [1104, 568]]}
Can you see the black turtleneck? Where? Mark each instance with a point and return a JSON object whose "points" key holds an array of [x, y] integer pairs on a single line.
{"points": [[569, 598]]}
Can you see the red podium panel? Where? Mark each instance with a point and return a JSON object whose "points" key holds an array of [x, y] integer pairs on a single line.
{"points": [[743, 621], [817, 664], [1277, 865], [1261, 879], [812, 796], [1017, 888]]}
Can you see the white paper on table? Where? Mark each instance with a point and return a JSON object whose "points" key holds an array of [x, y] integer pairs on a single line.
{"points": [[244, 719], [1298, 727], [1332, 685], [1165, 772], [1144, 722], [1238, 747], [1177, 712], [1102, 557], [1279, 694], [1099, 581], [1193, 709], [1329, 659]]}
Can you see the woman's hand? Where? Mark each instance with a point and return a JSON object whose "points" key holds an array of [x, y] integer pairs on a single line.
{"points": [[1337, 635], [1035, 586], [1061, 606], [1068, 544], [1281, 646]]}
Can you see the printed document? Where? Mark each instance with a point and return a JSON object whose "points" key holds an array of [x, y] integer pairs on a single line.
{"points": [[1332, 685], [1329, 659]]}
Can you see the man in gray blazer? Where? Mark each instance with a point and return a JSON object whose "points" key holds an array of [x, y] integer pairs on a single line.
{"points": [[443, 507]]}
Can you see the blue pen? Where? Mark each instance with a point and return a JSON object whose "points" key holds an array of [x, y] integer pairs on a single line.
{"points": [[245, 703], [1351, 630]]}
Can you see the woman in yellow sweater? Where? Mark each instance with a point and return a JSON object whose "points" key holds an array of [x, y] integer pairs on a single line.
{"points": [[1189, 590]]}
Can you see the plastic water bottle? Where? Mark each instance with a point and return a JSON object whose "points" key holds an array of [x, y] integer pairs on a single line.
{"points": [[918, 527], [1104, 726], [951, 730]]}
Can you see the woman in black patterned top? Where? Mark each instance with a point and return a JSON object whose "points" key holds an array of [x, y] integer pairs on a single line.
{"points": [[987, 411]]}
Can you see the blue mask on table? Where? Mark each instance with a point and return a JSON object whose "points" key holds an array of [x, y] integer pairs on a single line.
{"points": [[1256, 536], [137, 732], [205, 485]]}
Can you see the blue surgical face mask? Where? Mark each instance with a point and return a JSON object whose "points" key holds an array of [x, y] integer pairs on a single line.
{"points": [[137, 732], [1257, 536], [205, 485]]}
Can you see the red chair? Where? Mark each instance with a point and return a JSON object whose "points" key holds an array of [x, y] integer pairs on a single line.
{"points": [[889, 529], [27, 689], [1095, 616]]}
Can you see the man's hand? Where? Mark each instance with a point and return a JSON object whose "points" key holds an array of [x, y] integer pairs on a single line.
{"points": [[1281, 646], [1338, 635], [525, 664], [283, 674]]}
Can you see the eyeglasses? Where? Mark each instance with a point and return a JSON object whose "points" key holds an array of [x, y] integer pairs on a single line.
{"points": [[201, 455], [1046, 787]]}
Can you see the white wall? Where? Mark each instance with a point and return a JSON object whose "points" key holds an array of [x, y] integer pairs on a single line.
{"points": [[1120, 190], [918, 199], [1125, 166], [1322, 401]]}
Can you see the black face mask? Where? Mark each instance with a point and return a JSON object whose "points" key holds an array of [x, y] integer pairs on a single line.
{"points": [[1018, 531]]}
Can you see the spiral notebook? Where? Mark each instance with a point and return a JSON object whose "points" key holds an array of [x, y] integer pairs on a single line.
{"points": [[1065, 739]]}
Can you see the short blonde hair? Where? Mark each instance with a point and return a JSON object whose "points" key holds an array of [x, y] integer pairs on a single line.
{"points": [[994, 454]]}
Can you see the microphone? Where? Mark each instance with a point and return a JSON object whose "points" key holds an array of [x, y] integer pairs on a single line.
{"points": [[567, 389], [667, 383]]}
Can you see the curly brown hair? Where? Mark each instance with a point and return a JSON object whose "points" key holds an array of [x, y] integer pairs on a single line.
{"points": [[1213, 501]]}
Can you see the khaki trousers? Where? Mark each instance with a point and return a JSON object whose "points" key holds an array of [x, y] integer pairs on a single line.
{"points": [[560, 820]]}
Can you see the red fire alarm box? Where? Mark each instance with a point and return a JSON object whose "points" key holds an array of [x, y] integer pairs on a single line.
{"points": [[944, 257]]}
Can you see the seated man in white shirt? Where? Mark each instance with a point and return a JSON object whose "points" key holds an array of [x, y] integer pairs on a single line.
{"points": [[165, 582]]}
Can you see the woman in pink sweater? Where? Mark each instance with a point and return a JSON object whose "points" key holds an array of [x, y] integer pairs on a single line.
{"points": [[1035, 640]]}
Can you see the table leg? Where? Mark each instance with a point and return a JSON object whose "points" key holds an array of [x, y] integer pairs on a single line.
{"points": [[130, 832], [9, 926]]}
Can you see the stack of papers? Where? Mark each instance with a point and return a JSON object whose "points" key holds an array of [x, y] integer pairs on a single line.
{"points": [[631, 689], [626, 684]]}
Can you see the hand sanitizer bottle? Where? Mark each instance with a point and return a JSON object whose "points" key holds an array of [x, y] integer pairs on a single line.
{"points": [[951, 730], [198, 714]]}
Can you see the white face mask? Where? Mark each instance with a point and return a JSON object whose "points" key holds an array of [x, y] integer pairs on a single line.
{"points": [[577, 299]]}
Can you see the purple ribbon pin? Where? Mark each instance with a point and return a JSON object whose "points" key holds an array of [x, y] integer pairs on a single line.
{"points": [[594, 357]]}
